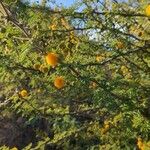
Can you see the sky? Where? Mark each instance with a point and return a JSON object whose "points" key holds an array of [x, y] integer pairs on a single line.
{"points": [[63, 2], [66, 3]]}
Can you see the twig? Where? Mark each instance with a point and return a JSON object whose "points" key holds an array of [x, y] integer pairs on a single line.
{"points": [[12, 19]]}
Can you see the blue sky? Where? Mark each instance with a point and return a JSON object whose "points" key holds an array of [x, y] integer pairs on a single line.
{"points": [[63, 2], [66, 2]]}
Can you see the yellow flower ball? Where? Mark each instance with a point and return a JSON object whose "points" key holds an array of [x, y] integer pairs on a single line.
{"points": [[124, 69], [43, 69], [147, 10], [14, 148], [107, 126], [65, 23], [120, 45], [128, 76], [99, 58], [51, 59], [140, 34], [24, 93], [36, 66], [39, 90], [106, 122], [59, 82], [140, 144], [105, 129], [52, 27], [92, 85]]}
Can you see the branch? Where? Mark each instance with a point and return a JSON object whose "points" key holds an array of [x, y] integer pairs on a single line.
{"points": [[9, 16], [83, 15], [111, 59], [79, 76]]}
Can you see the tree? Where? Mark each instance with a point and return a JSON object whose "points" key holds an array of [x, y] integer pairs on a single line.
{"points": [[79, 79]]}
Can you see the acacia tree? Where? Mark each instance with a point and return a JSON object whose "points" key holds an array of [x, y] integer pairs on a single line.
{"points": [[79, 76]]}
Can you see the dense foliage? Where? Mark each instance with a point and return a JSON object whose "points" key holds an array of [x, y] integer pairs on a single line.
{"points": [[78, 76]]}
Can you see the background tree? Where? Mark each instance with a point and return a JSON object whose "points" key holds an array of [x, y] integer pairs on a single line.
{"points": [[77, 77]]}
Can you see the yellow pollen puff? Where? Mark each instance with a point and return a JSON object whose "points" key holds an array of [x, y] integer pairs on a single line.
{"points": [[65, 23], [128, 76], [36, 66], [147, 10], [124, 69], [106, 122], [120, 45], [14, 148], [140, 144], [99, 58], [24, 93], [72, 35], [92, 85], [140, 33], [52, 27], [51, 59], [59, 82], [105, 128], [43, 69], [39, 90]]}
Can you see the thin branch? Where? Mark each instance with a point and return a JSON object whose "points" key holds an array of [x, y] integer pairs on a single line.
{"points": [[110, 59], [79, 76], [9, 16], [81, 14]]}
